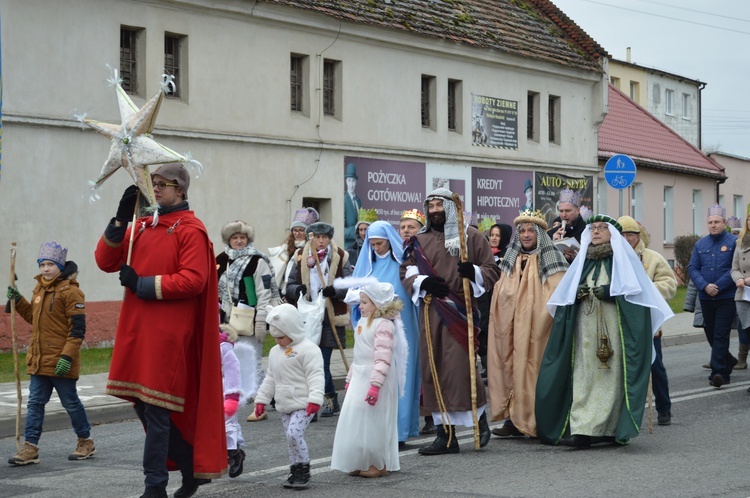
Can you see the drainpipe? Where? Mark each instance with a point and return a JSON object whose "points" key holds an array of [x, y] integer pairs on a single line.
{"points": [[700, 115]]}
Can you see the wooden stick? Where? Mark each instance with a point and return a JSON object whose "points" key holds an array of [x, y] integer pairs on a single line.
{"points": [[14, 340], [469, 320], [329, 305], [130, 244]]}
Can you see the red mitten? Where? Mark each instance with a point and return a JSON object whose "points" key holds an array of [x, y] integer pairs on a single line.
{"points": [[312, 409], [260, 409], [372, 395], [230, 407]]}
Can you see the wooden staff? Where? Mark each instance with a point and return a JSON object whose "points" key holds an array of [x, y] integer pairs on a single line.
{"points": [[469, 320], [329, 304], [14, 340], [132, 229]]}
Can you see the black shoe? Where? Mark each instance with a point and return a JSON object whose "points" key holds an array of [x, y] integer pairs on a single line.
{"points": [[664, 419], [484, 431], [236, 462], [289, 483], [189, 487], [303, 476], [155, 493], [429, 426], [508, 430], [401, 445], [717, 381], [577, 441], [732, 362], [314, 419], [332, 405], [441, 445]]}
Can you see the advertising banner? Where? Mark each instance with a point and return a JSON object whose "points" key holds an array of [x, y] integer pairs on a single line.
{"points": [[548, 187], [494, 122]]}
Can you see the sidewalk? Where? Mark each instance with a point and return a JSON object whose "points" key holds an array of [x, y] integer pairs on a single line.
{"points": [[102, 408]]}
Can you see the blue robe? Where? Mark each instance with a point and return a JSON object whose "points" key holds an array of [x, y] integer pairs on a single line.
{"points": [[386, 269]]}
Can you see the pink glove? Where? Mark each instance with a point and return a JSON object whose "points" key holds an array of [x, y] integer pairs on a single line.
{"points": [[372, 395], [230, 407], [346, 387], [312, 409], [260, 409]]}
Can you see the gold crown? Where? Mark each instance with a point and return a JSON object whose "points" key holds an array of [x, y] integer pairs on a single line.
{"points": [[414, 214], [367, 215], [529, 216]]}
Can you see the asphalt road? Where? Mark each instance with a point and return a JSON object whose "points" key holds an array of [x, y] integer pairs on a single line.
{"points": [[703, 453]]}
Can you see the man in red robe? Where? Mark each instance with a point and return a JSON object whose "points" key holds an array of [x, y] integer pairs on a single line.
{"points": [[166, 356]]}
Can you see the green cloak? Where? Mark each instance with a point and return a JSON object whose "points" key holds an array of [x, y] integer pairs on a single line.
{"points": [[554, 390]]}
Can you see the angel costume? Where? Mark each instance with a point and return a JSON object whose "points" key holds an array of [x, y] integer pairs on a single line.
{"points": [[367, 435]]}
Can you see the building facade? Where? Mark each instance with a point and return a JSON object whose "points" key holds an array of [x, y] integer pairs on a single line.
{"points": [[272, 97]]}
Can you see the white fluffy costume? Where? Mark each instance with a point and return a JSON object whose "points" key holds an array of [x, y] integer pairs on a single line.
{"points": [[367, 435]]}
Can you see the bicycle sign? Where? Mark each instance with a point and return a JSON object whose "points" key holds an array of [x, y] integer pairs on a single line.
{"points": [[619, 172]]}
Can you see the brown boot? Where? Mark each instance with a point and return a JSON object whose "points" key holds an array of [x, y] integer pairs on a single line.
{"points": [[742, 357], [84, 450], [29, 454]]}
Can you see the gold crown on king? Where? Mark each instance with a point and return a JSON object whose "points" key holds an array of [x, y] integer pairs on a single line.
{"points": [[416, 214], [367, 215], [529, 216]]}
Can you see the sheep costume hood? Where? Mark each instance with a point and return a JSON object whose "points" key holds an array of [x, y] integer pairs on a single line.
{"points": [[286, 320]]}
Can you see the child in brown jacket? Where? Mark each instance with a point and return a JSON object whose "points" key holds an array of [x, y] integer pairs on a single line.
{"points": [[57, 314]]}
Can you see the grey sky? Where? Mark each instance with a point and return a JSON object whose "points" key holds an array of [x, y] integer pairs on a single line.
{"points": [[706, 41]]}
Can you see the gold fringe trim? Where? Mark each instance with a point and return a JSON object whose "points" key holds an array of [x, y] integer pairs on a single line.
{"points": [[110, 243], [157, 287], [133, 390]]}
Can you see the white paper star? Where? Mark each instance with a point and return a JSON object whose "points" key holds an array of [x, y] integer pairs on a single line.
{"points": [[132, 146]]}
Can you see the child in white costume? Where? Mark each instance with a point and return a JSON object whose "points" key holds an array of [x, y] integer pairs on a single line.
{"points": [[295, 379], [366, 441], [231, 374]]}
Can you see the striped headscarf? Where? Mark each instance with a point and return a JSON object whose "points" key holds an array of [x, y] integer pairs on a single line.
{"points": [[452, 242], [551, 260]]}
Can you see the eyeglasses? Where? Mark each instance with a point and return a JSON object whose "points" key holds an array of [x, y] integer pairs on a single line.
{"points": [[163, 185], [298, 230], [598, 228]]}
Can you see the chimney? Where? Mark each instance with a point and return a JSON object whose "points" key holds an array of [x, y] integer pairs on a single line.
{"points": [[627, 56]]}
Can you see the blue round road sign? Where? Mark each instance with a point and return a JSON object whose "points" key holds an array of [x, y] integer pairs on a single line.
{"points": [[619, 172]]}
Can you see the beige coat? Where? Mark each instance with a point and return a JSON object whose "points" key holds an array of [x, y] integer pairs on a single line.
{"points": [[740, 267], [658, 271], [519, 329]]}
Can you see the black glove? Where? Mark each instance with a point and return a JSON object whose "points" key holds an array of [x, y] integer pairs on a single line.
{"points": [[435, 286], [302, 289], [466, 270], [127, 204], [582, 291], [329, 291], [602, 293], [128, 277]]}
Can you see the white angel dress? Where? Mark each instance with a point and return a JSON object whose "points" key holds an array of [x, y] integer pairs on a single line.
{"points": [[368, 435]]}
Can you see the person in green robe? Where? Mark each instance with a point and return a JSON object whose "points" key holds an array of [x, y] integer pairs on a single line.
{"points": [[594, 374]]}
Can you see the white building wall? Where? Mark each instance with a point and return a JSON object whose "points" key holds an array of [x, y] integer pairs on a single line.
{"points": [[683, 120], [261, 159]]}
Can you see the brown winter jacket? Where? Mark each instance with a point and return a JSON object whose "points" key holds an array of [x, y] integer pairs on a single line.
{"points": [[57, 315]]}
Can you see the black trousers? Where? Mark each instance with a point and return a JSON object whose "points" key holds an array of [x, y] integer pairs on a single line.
{"points": [[163, 440]]}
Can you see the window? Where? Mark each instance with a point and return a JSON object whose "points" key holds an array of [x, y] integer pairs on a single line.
{"points": [[454, 105], [668, 220], [428, 102], [669, 102], [636, 201], [739, 206], [553, 107], [132, 47], [635, 91], [615, 82], [329, 88], [174, 48], [685, 106], [299, 83], [698, 218], [532, 116]]}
